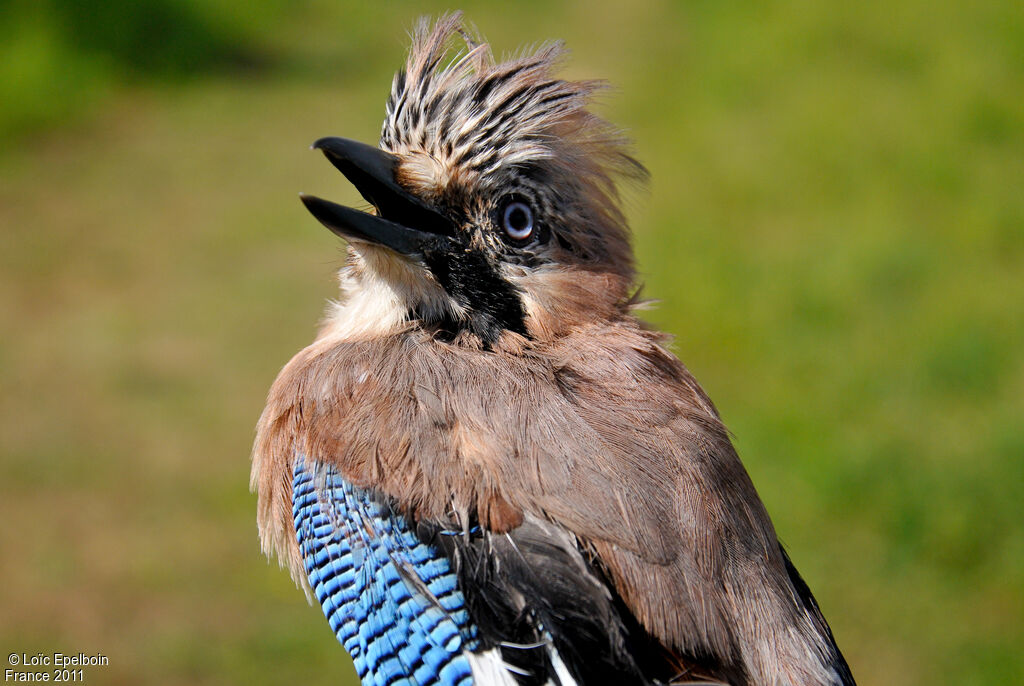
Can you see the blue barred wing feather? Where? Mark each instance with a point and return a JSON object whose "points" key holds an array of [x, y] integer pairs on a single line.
{"points": [[391, 599], [425, 604]]}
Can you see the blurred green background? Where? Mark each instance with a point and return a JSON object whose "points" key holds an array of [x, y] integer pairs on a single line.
{"points": [[835, 230]]}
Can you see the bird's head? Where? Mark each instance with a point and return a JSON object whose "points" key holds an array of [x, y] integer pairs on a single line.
{"points": [[495, 197]]}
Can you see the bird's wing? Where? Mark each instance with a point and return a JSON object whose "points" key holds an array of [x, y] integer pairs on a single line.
{"points": [[393, 592], [391, 600], [704, 573], [605, 436], [534, 587]]}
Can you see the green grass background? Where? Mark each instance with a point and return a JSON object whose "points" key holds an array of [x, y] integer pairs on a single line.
{"points": [[835, 230]]}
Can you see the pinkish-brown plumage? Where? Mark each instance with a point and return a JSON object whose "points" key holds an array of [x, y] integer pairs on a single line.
{"points": [[582, 419]]}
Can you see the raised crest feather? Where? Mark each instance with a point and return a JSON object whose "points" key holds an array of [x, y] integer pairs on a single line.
{"points": [[475, 118]]}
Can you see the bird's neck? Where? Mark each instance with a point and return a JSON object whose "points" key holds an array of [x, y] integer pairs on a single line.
{"points": [[382, 296], [379, 295], [377, 309]]}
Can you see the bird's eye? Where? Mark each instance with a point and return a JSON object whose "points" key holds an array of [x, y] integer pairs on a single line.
{"points": [[517, 220]]}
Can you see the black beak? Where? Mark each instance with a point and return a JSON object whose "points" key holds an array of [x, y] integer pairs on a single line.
{"points": [[403, 222]]}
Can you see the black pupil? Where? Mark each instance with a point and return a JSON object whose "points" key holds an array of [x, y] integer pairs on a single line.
{"points": [[517, 219]]}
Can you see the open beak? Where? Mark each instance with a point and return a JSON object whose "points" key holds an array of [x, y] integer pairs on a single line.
{"points": [[403, 222]]}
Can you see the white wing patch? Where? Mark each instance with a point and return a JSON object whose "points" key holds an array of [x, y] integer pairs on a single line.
{"points": [[490, 669]]}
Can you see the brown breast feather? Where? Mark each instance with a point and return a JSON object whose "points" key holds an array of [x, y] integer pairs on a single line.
{"points": [[602, 432]]}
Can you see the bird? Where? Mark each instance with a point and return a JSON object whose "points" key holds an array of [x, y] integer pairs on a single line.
{"points": [[486, 468]]}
